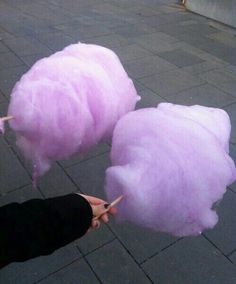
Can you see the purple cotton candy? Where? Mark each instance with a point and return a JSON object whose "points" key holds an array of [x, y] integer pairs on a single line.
{"points": [[172, 165], [67, 103]]}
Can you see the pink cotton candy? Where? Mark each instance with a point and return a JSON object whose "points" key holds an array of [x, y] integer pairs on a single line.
{"points": [[69, 102], [172, 165]]}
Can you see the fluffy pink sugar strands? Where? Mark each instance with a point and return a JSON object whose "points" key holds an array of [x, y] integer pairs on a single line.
{"points": [[172, 165], [69, 102]]}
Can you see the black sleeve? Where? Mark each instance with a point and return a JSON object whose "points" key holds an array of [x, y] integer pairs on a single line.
{"points": [[38, 227]]}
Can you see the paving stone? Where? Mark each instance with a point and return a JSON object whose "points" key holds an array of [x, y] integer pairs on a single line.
{"points": [[113, 264], [206, 95], [95, 239], [29, 60], [13, 175], [55, 182], [56, 41], [138, 86], [180, 58], [83, 32], [192, 260], [99, 149], [217, 76], [148, 99], [220, 50], [203, 67], [20, 195], [27, 46], [90, 174], [141, 243], [225, 38], [2, 98], [109, 41], [130, 52], [132, 31], [30, 271], [228, 87], [233, 257], [9, 59], [156, 42], [77, 272], [170, 82], [3, 48], [147, 66], [231, 110], [223, 235], [8, 78]]}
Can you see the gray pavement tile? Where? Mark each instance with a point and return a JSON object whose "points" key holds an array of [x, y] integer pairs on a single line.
{"points": [[83, 32], [221, 75], [3, 48], [223, 235], [180, 58], [220, 50], [148, 99], [225, 38], [29, 60], [55, 182], [55, 41], [206, 95], [131, 52], [141, 243], [232, 152], [192, 260], [109, 41], [147, 66], [231, 110], [171, 82], [233, 257], [138, 86], [90, 174], [20, 195], [27, 46], [77, 272], [203, 67], [95, 239], [9, 59], [30, 271], [2, 98], [13, 175], [8, 78], [157, 42], [99, 149], [228, 87], [113, 265], [132, 31]]}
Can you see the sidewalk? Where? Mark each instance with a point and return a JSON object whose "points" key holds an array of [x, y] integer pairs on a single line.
{"points": [[172, 55]]}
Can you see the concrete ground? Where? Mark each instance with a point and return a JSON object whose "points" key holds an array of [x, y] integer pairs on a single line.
{"points": [[173, 56]]}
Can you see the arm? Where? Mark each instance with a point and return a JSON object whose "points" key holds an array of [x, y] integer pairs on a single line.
{"points": [[38, 227]]}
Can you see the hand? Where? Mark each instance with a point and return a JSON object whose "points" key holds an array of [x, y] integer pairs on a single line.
{"points": [[100, 209]]}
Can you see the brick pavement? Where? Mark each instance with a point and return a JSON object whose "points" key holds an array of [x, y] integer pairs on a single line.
{"points": [[172, 55]]}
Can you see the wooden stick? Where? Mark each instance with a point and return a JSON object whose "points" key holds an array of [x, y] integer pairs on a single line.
{"points": [[113, 203], [6, 118]]}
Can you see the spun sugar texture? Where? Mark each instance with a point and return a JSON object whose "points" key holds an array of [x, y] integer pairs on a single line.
{"points": [[172, 165], [69, 102]]}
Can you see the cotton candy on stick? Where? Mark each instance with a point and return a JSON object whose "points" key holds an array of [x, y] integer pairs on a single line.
{"points": [[69, 102], [171, 163]]}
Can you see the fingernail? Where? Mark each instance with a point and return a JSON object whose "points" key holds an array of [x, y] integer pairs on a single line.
{"points": [[106, 205]]}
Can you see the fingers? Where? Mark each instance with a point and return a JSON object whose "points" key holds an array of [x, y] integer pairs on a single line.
{"points": [[95, 224]]}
